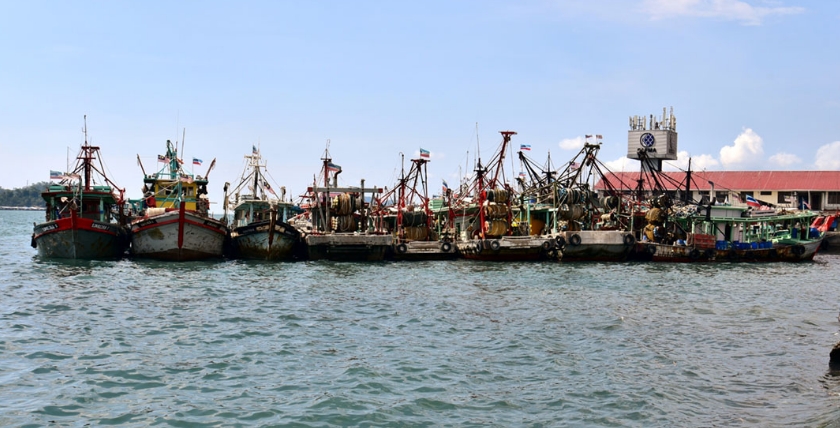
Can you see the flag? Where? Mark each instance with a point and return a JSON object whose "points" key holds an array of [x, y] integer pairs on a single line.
{"points": [[56, 175], [197, 161], [574, 165], [525, 147], [268, 187], [806, 204], [254, 149], [333, 167], [424, 153], [752, 202], [598, 136], [445, 186], [186, 179], [162, 158], [521, 174], [588, 136]]}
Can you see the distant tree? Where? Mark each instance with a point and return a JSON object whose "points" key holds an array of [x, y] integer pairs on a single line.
{"points": [[29, 196]]}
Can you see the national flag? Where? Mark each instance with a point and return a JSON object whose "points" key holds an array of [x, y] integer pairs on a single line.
{"points": [[424, 153], [574, 165], [197, 161], [254, 149], [333, 167], [588, 136], [752, 202], [162, 158], [525, 147], [268, 187], [598, 136], [521, 174], [56, 175], [445, 186]]}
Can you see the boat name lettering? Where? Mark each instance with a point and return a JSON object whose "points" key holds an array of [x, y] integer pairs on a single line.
{"points": [[99, 226], [49, 227]]}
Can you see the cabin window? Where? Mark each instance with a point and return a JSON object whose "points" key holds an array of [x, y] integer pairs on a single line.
{"points": [[766, 193], [721, 196], [785, 197], [834, 198]]}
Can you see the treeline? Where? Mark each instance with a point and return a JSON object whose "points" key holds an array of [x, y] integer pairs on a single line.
{"points": [[29, 196]]}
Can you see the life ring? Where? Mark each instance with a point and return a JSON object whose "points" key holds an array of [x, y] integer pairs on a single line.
{"points": [[629, 239], [560, 242], [495, 245], [446, 247], [651, 249], [575, 239], [546, 245], [694, 254], [401, 249], [798, 250]]}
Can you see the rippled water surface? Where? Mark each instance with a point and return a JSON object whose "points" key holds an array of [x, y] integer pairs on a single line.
{"points": [[140, 343]]}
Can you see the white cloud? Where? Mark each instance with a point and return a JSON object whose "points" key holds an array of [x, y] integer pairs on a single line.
{"points": [[702, 162], [747, 150], [784, 159], [572, 143], [828, 156], [622, 164], [732, 10]]}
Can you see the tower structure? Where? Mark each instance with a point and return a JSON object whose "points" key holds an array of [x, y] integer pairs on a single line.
{"points": [[656, 138]]}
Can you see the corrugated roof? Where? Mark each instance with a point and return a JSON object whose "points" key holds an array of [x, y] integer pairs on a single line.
{"points": [[738, 180]]}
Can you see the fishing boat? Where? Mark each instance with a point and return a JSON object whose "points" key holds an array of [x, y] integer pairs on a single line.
{"points": [[174, 221], [482, 217], [682, 230], [405, 213], [337, 224], [258, 226], [561, 204], [84, 212]]}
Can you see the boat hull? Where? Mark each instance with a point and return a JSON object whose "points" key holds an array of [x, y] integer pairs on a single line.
{"points": [[256, 242], [423, 250], [506, 249], [646, 251], [348, 247], [80, 238], [178, 236], [597, 245]]}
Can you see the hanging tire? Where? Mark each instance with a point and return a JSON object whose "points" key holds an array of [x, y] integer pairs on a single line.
{"points": [[560, 242], [546, 245], [495, 245], [446, 247], [651, 249], [629, 239], [709, 254], [479, 247], [798, 250], [401, 248], [694, 254], [575, 239]]}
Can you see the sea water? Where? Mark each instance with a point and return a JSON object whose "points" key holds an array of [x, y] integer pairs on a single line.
{"points": [[459, 343]]}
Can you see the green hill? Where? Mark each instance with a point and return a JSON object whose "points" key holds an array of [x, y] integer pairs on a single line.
{"points": [[29, 196]]}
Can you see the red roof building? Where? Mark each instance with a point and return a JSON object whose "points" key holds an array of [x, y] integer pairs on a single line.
{"points": [[818, 189]]}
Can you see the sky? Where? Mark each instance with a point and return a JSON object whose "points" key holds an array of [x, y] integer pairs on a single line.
{"points": [[754, 84]]}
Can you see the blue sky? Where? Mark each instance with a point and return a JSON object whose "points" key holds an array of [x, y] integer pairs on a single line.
{"points": [[755, 84]]}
